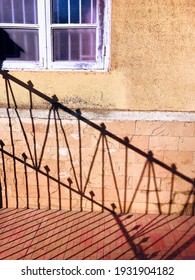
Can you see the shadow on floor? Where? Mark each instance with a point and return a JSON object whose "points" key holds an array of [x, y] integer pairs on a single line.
{"points": [[50, 234]]}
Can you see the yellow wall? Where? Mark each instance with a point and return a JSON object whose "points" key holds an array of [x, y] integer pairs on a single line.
{"points": [[152, 62]]}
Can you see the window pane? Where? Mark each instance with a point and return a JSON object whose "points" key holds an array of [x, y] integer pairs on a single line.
{"points": [[18, 11], [19, 44], [60, 11], [74, 44], [88, 11], [74, 11]]}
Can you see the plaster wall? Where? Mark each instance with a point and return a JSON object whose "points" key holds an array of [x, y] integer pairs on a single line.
{"points": [[152, 63]]}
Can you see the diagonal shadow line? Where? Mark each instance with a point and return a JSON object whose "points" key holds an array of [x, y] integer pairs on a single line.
{"points": [[9, 212], [150, 226], [83, 241], [7, 76], [166, 233], [18, 115], [138, 251], [108, 235], [37, 235], [181, 248], [99, 249], [69, 151], [113, 174], [138, 185], [11, 224], [92, 163], [12, 214], [46, 135], [113, 232], [83, 227], [56, 234], [25, 226], [144, 231]]}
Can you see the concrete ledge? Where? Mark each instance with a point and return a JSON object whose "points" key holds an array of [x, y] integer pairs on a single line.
{"points": [[106, 115]]}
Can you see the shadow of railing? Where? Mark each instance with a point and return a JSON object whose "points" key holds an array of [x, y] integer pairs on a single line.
{"points": [[53, 234], [100, 165]]}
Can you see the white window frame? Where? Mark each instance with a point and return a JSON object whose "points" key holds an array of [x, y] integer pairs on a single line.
{"points": [[45, 28]]}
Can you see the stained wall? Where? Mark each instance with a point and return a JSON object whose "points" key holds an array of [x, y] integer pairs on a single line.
{"points": [[152, 66]]}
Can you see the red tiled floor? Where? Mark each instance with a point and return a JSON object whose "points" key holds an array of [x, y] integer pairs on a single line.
{"points": [[41, 234]]}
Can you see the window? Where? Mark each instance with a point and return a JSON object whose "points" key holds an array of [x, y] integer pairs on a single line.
{"points": [[54, 34]]}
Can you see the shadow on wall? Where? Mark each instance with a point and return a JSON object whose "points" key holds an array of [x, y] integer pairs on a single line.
{"points": [[88, 177], [8, 48]]}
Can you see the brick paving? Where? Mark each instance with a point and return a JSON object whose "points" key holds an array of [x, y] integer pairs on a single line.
{"points": [[63, 235]]}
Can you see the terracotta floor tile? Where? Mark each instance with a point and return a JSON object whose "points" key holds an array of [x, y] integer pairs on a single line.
{"points": [[57, 234]]}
